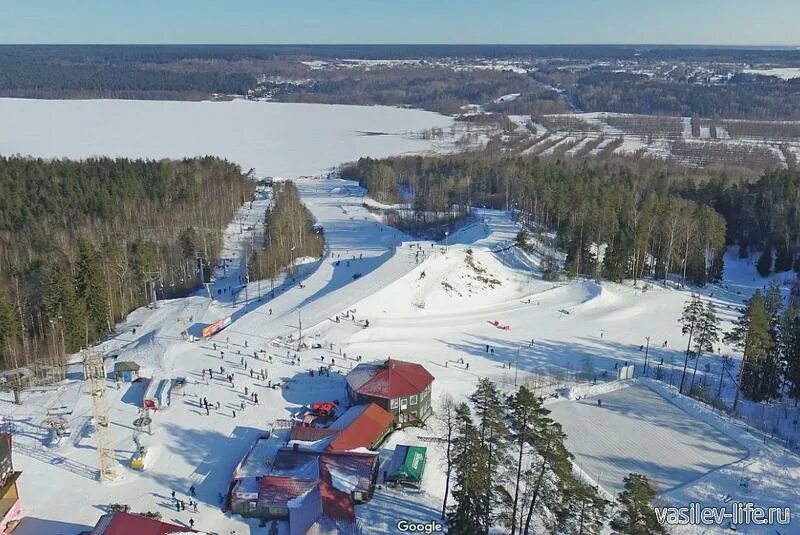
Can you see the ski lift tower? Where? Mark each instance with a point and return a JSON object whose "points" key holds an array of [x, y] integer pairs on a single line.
{"points": [[96, 373], [152, 278]]}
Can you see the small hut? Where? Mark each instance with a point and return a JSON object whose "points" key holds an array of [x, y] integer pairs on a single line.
{"points": [[126, 371], [407, 465]]}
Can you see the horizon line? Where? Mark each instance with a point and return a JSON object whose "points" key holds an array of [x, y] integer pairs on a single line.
{"points": [[691, 45]]}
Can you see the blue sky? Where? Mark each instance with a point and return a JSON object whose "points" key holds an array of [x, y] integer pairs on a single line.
{"points": [[745, 22]]}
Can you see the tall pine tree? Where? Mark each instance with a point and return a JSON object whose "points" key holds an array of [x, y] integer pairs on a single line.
{"points": [[636, 515], [494, 438], [752, 335], [690, 320], [90, 285], [465, 516], [707, 336]]}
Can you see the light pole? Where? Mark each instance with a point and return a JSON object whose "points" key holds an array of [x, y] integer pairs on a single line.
{"points": [[646, 351], [446, 234], [516, 367]]}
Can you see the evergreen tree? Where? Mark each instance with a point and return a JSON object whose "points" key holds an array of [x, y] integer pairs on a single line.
{"points": [[636, 515], [752, 335], [466, 516], [586, 511], [10, 327], [545, 487], [764, 264], [494, 439], [65, 311], [690, 319], [783, 260], [707, 336], [790, 349], [526, 416], [92, 290]]}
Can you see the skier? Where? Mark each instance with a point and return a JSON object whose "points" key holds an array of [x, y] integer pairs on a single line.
{"points": [[270, 312], [191, 521], [599, 402], [192, 490]]}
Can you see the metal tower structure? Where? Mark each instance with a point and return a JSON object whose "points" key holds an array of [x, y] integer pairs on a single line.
{"points": [[96, 374], [152, 278]]}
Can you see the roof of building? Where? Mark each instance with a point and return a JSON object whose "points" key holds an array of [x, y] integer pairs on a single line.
{"points": [[301, 464], [280, 490], [126, 366], [336, 504], [310, 434], [369, 424], [389, 379], [259, 458], [359, 465], [121, 523], [407, 464]]}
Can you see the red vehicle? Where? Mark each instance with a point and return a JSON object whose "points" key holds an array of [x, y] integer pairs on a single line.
{"points": [[324, 408]]}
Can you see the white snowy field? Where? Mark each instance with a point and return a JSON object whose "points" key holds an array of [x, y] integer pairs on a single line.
{"points": [[431, 303], [276, 139], [635, 429]]}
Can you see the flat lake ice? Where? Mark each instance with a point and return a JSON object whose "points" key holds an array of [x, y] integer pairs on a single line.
{"points": [[277, 139]]}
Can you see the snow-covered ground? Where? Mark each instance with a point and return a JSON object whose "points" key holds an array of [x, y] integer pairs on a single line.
{"points": [[784, 73], [635, 429], [444, 305], [277, 139]]}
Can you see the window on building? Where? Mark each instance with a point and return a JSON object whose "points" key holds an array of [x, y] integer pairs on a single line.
{"points": [[393, 404], [413, 400]]}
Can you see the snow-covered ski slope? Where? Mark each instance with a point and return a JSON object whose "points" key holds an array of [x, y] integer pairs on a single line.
{"points": [[443, 320], [439, 309]]}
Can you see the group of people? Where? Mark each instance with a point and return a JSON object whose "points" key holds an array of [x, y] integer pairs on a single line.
{"points": [[180, 505]]}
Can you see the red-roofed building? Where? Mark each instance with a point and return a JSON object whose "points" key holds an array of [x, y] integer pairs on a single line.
{"points": [[399, 387], [121, 523], [310, 434], [366, 427]]}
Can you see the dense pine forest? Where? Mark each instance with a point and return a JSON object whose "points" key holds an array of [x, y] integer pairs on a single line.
{"points": [[288, 234], [657, 219], [79, 239]]}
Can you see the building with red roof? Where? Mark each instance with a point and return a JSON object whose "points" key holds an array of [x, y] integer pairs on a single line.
{"points": [[362, 426], [401, 388], [121, 523]]}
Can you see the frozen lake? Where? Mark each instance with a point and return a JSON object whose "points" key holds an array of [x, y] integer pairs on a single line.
{"points": [[638, 430], [277, 139]]}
